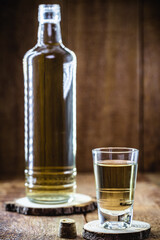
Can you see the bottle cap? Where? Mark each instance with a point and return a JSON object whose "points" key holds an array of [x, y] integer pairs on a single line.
{"points": [[49, 13]]}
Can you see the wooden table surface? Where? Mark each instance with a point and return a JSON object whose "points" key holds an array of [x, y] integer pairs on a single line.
{"points": [[17, 226]]}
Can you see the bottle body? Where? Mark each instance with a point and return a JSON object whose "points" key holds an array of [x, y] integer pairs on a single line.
{"points": [[50, 123]]}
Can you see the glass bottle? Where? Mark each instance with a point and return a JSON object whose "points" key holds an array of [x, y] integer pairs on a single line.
{"points": [[50, 113]]}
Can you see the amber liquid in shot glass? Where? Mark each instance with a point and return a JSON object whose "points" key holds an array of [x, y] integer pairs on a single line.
{"points": [[115, 188]]}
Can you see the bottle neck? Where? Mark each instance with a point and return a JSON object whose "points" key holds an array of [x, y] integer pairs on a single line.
{"points": [[49, 33]]}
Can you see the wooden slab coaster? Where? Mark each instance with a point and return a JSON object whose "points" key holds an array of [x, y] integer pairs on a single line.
{"points": [[139, 230], [81, 204]]}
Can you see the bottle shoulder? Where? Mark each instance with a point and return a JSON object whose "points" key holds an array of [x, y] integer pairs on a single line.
{"points": [[68, 51], [54, 51]]}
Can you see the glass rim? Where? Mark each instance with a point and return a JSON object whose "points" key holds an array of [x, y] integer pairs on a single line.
{"points": [[114, 150], [49, 13]]}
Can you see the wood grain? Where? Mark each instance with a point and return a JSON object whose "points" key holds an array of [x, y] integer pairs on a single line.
{"points": [[22, 227], [16, 226], [94, 230], [151, 86], [105, 41], [115, 105], [81, 204]]}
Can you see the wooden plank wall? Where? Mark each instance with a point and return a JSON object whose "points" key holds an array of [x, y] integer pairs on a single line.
{"points": [[118, 76], [104, 36], [151, 85]]}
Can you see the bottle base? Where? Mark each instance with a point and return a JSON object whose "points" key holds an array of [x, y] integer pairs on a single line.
{"points": [[50, 185], [52, 199]]}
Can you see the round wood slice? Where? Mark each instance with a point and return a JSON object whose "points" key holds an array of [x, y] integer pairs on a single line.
{"points": [[93, 230], [81, 204]]}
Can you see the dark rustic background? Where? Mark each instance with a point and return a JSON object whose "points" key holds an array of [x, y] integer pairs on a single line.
{"points": [[117, 43]]}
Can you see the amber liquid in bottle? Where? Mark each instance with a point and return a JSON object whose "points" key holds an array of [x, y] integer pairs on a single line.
{"points": [[50, 118]]}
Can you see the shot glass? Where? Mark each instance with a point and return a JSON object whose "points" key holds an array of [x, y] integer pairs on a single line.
{"points": [[115, 170]]}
